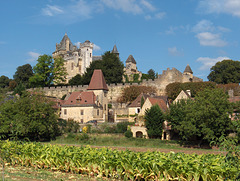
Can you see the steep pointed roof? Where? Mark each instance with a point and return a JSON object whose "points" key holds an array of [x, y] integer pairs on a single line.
{"points": [[131, 59], [62, 44], [97, 81], [114, 50], [188, 69]]}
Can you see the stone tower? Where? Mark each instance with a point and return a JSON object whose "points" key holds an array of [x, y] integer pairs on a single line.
{"points": [[188, 74], [76, 59], [99, 87], [131, 69], [115, 51]]}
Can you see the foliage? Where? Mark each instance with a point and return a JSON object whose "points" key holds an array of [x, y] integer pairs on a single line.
{"points": [[48, 71], [154, 121], [111, 67], [4, 81], [224, 72], [231, 86], [68, 126], [174, 89], [120, 165], [206, 118], [30, 116], [151, 74], [122, 127], [142, 101], [63, 97], [12, 84], [76, 80], [19, 89], [130, 93], [23, 74], [128, 134]]}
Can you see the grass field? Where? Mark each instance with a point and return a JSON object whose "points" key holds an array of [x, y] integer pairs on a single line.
{"points": [[30, 174], [120, 142]]}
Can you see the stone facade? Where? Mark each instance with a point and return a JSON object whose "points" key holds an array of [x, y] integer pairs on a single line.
{"points": [[131, 70], [76, 59]]}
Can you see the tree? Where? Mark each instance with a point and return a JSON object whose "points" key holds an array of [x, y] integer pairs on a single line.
{"points": [[48, 71], [111, 67], [4, 81], [151, 74], [12, 85], [154, 121], [175, 88], [130, 93], [76, 80], [206, 118], [23, 74], [224, 72], [30, 116]]}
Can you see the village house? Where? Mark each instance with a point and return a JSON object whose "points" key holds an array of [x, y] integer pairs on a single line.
{"points": [[88, 105]]}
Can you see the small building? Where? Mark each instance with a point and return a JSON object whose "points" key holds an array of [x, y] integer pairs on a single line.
{"points": [[88, 105], [183, 95]]}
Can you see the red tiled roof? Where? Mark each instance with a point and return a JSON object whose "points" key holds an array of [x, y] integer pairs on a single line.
{"points": [[80, 98], [234, 99], [162, 104], [97, 81], [137, 101]]}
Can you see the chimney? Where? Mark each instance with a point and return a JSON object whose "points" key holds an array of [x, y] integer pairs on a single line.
{"points": [[189, 92], [230, 93]]}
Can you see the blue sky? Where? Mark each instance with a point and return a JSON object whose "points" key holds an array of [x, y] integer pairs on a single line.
{"points": [[160, 34]]}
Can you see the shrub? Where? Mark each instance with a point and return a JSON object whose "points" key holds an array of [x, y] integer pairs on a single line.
{"points": [[128, 134], [83, 137], [122, 127]]}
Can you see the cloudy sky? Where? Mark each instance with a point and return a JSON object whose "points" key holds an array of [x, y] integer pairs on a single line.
{"points": [[160, 34]]}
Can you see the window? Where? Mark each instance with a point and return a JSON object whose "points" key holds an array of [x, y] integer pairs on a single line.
{"points": [[80, 68], [72, 66], [105, 107], [81, 112], [90, 54], [98, 112], [65, 111], [81, 120]]}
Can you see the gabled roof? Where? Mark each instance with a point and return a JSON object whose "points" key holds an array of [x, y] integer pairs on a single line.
{"points": [[80, 99], [137, 101], [114, 50], [234, 99], [97, 81], [131, 59], [162, 104], [188, 69]]}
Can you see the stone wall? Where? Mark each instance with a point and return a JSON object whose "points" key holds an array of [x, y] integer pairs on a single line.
{"points": [[168, 76]]}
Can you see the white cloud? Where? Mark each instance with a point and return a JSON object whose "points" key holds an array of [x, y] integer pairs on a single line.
{"points": [[209, 62], [33, 56], [174, 51], [96, 47], [148, 5], [78, 10], [210, 39], [77, 44], [52, 10], [202, 26], [221, 6]]}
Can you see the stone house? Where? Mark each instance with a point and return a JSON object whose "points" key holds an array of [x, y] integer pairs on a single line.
{"points": [[88, 105], [183, 95]]}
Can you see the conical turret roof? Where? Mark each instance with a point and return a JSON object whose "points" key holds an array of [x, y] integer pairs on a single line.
{"points": [[188, 69], [131, 59], [62, 44], [114, 50], [97, 81]]}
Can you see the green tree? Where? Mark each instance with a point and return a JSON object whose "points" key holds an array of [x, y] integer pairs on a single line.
{"points": [[111, 66], [23, 74], [76, 80], [48, 71], [206, 118], [154, 121], [151, 74], [4, 81], [130, 93], [175, 88], [224, 72], [30, 116]]}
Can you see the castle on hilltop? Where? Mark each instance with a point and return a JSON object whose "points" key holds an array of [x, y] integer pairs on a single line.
{"points": [[77, 60]]}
